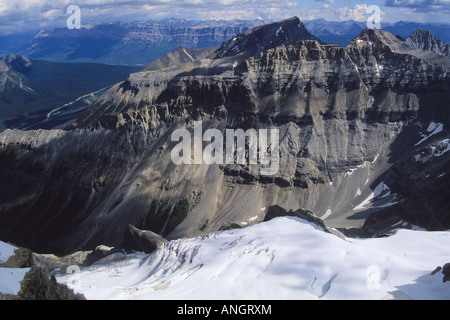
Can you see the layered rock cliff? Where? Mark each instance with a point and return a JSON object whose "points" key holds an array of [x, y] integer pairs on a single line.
{"points": [[352, 125]]}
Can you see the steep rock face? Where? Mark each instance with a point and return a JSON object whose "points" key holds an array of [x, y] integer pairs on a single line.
{"points": [[425, 40], [347, 118]]}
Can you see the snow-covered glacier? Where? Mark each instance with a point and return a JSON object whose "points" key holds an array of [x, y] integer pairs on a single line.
{"points": [[282, 259]]}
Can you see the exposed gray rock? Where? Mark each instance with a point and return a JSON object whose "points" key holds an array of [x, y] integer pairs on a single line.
{"points": [[349, 119], [22, 258], [142, 240], [54, 264], [436, 270], [99, 253], [39, 285], [179, 57], [277, 211], [446, 272], [262, 38], [25, 258], [425, 40]]}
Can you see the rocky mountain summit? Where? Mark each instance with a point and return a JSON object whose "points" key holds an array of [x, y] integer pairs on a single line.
{"points": [[363, 133], [266, 37], [425, 40]]}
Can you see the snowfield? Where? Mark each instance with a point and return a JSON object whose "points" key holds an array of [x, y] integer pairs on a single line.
{"points": [[283, 259], [9, 278], [6, 251]]}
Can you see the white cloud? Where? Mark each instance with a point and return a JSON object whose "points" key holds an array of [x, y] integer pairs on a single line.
{"points": [[52, 13], [419, 4], [336, 13], [357, 13]]}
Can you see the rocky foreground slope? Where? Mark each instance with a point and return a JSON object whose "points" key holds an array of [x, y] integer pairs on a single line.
{"points": [[363, 133]]}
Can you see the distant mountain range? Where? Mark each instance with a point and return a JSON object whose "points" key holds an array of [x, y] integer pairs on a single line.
{"points": [[343, 32], [141, 43], [124, 43]]}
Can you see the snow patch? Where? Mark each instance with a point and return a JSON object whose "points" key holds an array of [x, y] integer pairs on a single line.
{"points": [[349, 172], [376, 158], [381, 191], [280, 29], [327, 214], [379, 68], [433, 128], [10, 280], [6, 251]]}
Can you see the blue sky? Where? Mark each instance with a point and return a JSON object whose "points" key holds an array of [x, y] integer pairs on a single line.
{"points": [[16, 15]]}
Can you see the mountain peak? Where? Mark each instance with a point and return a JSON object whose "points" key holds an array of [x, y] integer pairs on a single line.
{"points": [[425, 40], [374, 35], [258, 39], [379, 41]]}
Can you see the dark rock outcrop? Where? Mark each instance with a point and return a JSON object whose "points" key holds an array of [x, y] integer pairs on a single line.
{"points": [[22, 258], [142, 240], [269, 36], [39, 285], [446, 272], [277, 211], [99, 253]]}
